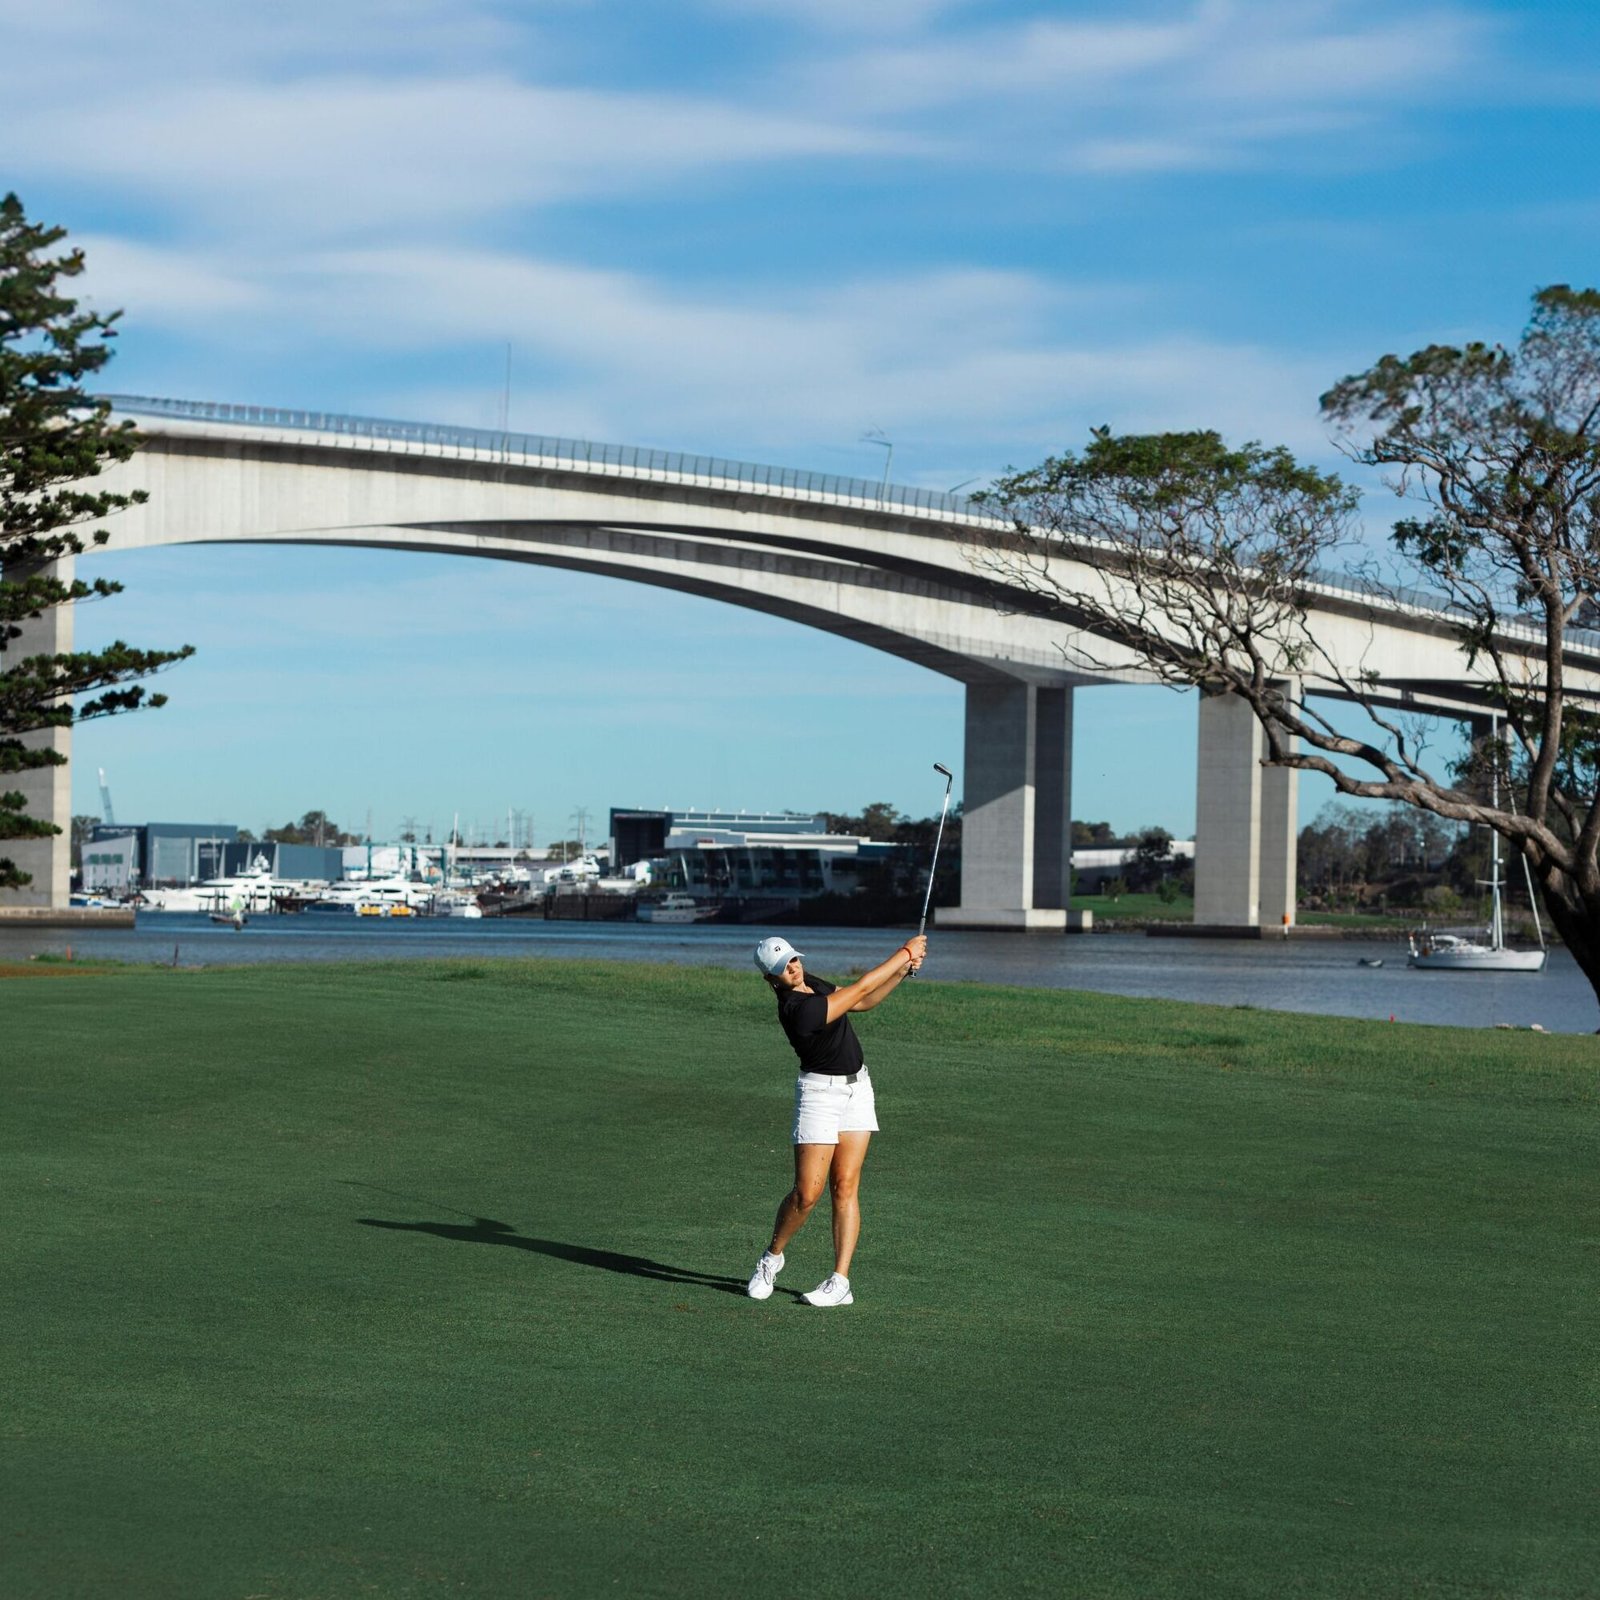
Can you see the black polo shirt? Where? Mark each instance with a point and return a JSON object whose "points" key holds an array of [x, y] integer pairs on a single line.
{"points": [[822, 1046]]}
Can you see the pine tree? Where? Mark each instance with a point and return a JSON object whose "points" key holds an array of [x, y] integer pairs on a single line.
{"points": [[54, 438]]}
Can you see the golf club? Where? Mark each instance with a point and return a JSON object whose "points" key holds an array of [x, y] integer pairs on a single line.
{"points": [[933, 866]]}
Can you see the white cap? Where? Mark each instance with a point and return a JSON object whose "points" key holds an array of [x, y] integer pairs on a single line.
{"points": [[774, 954]]}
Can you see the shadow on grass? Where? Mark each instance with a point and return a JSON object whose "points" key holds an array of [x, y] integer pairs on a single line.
{"points": [[485, 1230]]}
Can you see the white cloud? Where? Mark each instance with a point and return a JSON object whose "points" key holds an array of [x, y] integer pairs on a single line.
{"points": [[185, 40], [349, 157], [960, 366], [843, 16], [173, 288], [1185, 88], [376, 118], [1032, 57], [353, 214]]}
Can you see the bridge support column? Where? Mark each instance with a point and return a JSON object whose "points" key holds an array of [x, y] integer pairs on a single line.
{"points": [[1016, 822], [46, 791], [1245, 824]]}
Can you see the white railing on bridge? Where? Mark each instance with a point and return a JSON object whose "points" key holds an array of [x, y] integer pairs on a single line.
{"points": [[584, 454]]}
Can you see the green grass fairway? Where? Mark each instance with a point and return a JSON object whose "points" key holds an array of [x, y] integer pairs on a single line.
{"points": [[422, 1280]]}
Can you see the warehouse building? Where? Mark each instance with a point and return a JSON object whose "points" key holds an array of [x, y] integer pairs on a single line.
{"points": [[119, 857]]}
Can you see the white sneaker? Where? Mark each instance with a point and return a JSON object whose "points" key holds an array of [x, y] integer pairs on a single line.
{"points": [[765, 1275], [832, 1291]]}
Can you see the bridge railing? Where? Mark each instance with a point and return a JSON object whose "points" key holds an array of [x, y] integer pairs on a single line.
{"points": [[543, 450]]}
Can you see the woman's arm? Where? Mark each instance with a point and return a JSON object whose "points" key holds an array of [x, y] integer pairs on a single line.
{"points": [[875, 986]]}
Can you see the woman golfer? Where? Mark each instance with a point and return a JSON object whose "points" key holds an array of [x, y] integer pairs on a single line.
{"points": [[834, 1116]]}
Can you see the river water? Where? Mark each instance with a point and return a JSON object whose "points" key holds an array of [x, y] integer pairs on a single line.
{"points": [[1320, 976]]}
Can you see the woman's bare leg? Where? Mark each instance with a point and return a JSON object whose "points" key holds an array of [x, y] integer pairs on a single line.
{"points": [[844, 1180], [811, 1162]]}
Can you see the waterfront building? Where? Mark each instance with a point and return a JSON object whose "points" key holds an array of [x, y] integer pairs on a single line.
{"points": [[440, 863], [783, 854], [119, 857], [111, 862]]}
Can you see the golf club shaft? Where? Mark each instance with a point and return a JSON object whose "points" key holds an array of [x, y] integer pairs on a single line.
{"points": [[933, 866]]}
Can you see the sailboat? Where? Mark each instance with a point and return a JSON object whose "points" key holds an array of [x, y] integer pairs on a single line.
{"points": [[1451, 952]]}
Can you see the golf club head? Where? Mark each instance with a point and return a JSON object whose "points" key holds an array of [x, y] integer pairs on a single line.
{"points": [[944, 770]]}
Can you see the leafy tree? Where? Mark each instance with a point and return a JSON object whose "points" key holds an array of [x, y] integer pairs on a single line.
{"points": [[1200, 562], [54, 438], [1152, 855], [911, 870], [1344, 848], [1327, 848], [315, 827], [877, 821]]}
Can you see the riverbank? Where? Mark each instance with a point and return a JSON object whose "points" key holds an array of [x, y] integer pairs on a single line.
{"points": [[422, 1276], [66, 917], [1316, 976]]}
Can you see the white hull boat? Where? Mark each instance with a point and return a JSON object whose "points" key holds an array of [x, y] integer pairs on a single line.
{"points": [[675, 908], [255, 890], [1453, 952], [1449, 952], [376, 897]]}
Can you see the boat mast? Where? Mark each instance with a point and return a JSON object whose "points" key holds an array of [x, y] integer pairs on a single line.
{"points": [[1527, 878], [1533, 902], [1496, 930]]}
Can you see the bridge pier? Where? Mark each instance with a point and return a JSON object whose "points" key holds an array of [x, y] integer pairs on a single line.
{"points": [[1016, 824], [1245, 836], [46, 791]]}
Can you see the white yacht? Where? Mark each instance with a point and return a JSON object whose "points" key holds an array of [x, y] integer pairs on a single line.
{"points": [[1454, 952], [675, 907], [376, 897], [254, 890]]}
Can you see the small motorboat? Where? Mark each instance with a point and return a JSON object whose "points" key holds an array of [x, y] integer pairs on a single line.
{"points": [[1370, 961]]}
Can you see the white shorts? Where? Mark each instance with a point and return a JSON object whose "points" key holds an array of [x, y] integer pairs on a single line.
{"points": [[826, 1107]]}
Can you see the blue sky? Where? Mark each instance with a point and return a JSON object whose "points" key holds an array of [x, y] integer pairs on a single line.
{"points": [[753, 228]]}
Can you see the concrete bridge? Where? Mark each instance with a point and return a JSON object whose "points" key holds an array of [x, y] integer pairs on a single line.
{"points": [[881, 565]]}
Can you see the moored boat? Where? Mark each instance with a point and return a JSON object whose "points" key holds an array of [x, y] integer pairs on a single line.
{"points": [[1453, 952], [675, 907], [1456, 952], [255, 890], [376, 897]]}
